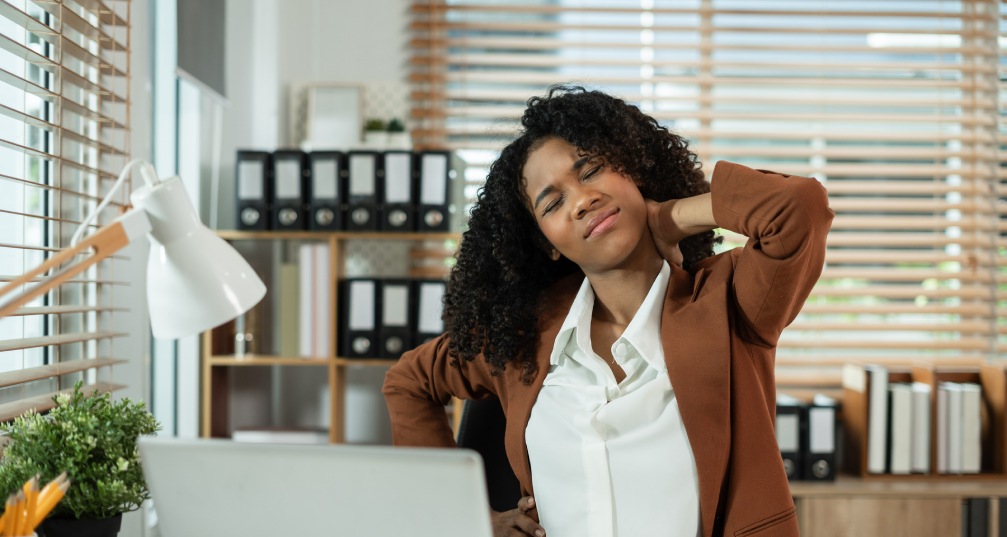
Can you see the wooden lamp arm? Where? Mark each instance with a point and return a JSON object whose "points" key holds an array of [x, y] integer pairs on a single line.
{"points": [[104, 242]]}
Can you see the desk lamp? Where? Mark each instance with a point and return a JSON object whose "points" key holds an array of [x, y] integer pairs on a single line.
{"points": [[195, 280]]}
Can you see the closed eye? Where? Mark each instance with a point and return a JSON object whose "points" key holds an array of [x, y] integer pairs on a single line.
{"points": [[553, 205], [591, 172]]}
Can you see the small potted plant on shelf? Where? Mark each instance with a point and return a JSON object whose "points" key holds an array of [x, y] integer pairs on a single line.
{"points": [[398, 138], [375, 136], [93, 439]]}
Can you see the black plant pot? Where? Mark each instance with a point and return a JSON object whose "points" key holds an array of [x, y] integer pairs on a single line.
{"points": [[80, 527]]}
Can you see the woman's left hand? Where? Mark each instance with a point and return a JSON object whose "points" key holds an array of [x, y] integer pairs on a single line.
{"points": [[666, 232]]}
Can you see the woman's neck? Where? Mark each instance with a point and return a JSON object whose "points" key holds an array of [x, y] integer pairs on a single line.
{"points": [[620, 292]]}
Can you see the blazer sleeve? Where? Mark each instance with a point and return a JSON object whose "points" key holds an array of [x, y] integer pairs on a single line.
{"points": [[418, 386], [786, 220]]}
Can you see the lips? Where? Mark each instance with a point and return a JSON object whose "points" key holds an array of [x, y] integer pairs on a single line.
{"points": [[601, 222]]}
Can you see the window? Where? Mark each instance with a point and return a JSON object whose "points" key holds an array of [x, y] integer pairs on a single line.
{"points": [[897, 107], [64, 136]]}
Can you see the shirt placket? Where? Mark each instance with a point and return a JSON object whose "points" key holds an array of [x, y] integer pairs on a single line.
{"points": [[598, 476]]}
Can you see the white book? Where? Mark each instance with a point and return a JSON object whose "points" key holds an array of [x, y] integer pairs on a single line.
{"points": [[323, 310], [289, 300], [877, 418], [921, 428], [954, 428], [306, 308], [942, 428], [900, 449], [971, 428]]}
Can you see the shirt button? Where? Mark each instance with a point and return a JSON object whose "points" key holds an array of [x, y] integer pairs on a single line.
{"points": [[620, 349]]}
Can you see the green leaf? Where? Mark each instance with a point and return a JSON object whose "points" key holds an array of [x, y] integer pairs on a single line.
{"points": [[90, 437]]}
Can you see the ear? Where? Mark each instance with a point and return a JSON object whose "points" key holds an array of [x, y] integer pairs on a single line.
{"points": [[554, 254]]}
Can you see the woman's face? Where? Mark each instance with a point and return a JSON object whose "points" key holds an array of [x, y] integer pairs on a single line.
{"points": [[594, 216]]}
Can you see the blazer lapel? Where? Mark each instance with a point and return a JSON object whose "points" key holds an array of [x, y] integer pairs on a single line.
{"points": [[522, 398], [697, 352]]}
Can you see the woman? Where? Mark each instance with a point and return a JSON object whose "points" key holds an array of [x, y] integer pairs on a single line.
{"points": [[635, 368]]}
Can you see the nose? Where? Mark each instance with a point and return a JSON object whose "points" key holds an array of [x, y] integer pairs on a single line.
{"points": [[587, 200]]}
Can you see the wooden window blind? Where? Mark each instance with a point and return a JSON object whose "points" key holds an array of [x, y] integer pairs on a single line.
{"points": [[64, 137], [897, 107]]}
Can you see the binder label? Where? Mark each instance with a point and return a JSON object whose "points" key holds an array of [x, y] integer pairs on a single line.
{"points": [[787, 432], [362, 175], [397, 178], [325, 174], [434, 182], [431, 296], [821, 423], [396, 305], [288, 179], [250, 180], [362, 306]]}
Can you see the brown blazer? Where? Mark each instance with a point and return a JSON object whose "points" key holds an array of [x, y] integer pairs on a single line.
{"points": [[720, 326]]}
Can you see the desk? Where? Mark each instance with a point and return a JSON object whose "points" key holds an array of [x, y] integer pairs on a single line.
{"points": [[895, 507]]}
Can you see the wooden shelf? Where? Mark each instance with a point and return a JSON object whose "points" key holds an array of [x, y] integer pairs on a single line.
{"points": [[340, 235], [984, 477], [263, 360], [926, 486], [370, 362]]}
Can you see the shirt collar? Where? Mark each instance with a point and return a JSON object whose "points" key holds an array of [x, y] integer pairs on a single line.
{"points": [[643, 332], [583, 305]]}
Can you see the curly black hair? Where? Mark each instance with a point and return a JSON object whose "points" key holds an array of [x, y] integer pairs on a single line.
{"points": [[503, 266]]}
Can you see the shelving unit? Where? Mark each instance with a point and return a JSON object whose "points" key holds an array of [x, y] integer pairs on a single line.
{"points": [[858, 506], [993, 380], [218, 345]]}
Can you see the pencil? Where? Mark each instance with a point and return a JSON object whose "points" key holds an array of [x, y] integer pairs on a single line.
{"points": [[8, 527], [31, 483], [45, 505], [51, 486], [32, 502], [19, 521]]}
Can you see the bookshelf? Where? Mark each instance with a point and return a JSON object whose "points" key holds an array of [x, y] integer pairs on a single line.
{"points": [[991, 377], [893, 506], [266, 250]]}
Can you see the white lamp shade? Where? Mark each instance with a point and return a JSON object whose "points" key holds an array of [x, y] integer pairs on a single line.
{"points": [[195, 280]]}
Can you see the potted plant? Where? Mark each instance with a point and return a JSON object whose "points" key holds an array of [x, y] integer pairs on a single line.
{"points": [[398, 138], [375, 136], [93, 439]]}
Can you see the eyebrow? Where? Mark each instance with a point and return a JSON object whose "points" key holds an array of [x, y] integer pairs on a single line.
{"points": [[577, 165]]}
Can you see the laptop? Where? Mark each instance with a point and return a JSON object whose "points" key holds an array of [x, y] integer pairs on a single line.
{"points": [[216, 488]]}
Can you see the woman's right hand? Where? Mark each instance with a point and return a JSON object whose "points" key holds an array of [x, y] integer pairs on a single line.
{"points": [[664, 230], [673, 220], [516, 522]]}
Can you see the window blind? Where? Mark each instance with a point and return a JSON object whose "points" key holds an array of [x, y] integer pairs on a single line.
{"points": [[64, 137], [896, 107]]}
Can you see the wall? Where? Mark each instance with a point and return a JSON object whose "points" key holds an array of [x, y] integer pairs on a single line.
{"points": [[271, 45], [136, 347]]}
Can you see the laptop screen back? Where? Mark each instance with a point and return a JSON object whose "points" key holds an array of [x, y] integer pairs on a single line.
{"points": [[222, 488]]}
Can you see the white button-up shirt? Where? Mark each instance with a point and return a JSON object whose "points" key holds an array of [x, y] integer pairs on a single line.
{"points": [[612, 459]]}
